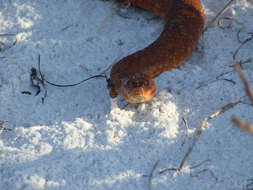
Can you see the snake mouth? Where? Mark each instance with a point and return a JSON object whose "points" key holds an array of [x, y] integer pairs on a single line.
{"points": [[135, 88], [138, 99], [139, 94]]}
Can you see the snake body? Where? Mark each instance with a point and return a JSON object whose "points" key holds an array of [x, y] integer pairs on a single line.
{"points": [[132, 76]]}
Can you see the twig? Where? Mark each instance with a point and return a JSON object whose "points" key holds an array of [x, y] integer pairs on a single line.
{"points": [[243, 125], [69, 26], [203, 124], [191, 168], [243, 43], [101, 25], [202, 171], [26, 92], [3, 35], [215, 19], [229, 26], [240, 30], [151, 175], [243, 62], [37, 78], [218, 78], [198, 132], [169, 169], [187, 129], [196, 166], [225, 27], [228, 80], [249, 92]]}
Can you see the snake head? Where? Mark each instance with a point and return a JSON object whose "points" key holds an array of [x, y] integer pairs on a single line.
{"points": [[137, 88]]}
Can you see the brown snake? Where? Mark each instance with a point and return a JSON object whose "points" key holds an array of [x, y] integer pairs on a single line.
{"points": [[184, 20]]}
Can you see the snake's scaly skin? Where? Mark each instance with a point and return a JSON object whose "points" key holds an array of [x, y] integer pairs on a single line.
{"points": [[184, 20]]}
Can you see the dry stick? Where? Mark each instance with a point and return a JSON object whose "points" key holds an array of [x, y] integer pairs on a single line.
{"points": [[237, 22], [228, 80], [221, 110], [187, 129], [151, 175], [198, 133], [243, 125], [243, 62], [196, 166], [205, 170], [215, 19], [243, 43], [244, 80], [101, 25], [239, 31], [225, 27], [67, 27], [3, 35], [203, 124]]}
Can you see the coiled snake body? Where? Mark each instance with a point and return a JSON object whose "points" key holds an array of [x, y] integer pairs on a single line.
{"points": [[184, 20]]}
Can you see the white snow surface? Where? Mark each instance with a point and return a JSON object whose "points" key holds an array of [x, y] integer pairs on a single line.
{"points": [[81, 139]]}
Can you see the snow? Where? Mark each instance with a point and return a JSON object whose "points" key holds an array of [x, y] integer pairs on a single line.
{"points": [[81, 139]]}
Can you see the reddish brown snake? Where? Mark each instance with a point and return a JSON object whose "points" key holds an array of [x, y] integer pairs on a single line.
{"points": [[184, 20]]}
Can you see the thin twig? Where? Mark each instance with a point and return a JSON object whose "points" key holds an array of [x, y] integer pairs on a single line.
{"points": [[229, 26], [169, 169], [3, 35], [225, 79], [225, 27], [218, 78], [196, 166], [187, 129], [243, 125], [151, 175], [243, 62], [101, 25], [203, 124], [43, 80], [242, 44], [217, 17], [178, 170], [198, 133], [205, 170], [248, 90]]}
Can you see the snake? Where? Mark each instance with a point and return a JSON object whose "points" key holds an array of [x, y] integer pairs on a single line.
{"points": [[132, 77]]}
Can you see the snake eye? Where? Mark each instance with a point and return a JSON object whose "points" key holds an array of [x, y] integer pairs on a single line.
{"points": [[146, 83]]}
